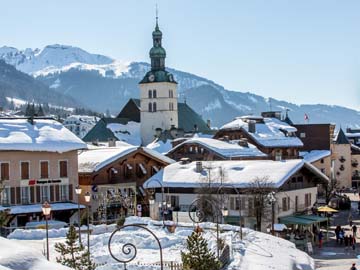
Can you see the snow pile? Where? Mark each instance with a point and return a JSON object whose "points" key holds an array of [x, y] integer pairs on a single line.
{"points": [[315, 155], [257, 251], [42, 135], [129, 133], [15, 255], [269, 132], [225, 149]]}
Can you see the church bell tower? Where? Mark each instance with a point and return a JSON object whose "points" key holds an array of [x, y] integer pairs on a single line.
{"points": [[158, 96]]}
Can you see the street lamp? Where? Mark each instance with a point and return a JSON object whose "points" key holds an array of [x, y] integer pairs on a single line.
{"points": [[272, 199], [78, 192], [46, 209], [87, 200], [239, 199]]}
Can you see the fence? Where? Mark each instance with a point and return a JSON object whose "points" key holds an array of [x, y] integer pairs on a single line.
{"points": [[167, 265]]}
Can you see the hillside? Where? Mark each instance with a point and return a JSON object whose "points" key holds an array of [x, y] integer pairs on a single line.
{"points": [[16, 84]]}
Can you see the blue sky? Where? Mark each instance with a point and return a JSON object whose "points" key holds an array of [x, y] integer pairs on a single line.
{"points": [[301, 51]]}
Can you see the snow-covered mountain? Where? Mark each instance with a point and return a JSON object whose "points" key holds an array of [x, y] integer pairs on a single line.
{"points": [[102, 83]]}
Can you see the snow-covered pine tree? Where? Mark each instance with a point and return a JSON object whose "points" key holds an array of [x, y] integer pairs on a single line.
{"points": [[40, 111], [73, 255], [198, 257]]}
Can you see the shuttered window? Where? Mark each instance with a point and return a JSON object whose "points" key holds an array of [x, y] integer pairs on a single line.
{"points": [[44, 169], [25, 168], [5, 175], [63, 168]]}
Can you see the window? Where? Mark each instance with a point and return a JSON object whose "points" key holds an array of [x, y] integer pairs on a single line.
{"points": [[44, 169], [150, 94], [171, 106], [322, 160], [150, 107], [25, 168], [154, 107], [154, 93], [307, 199], [25, 195], [300, 179], [302, 135], [173, 200], [5, 196], [44, 193], [278, 155], [296, 203], [63, 168], [251, 206], [322, 170], [171, 94], [5, 171], [285, 204], [235, 203], [64, 192]]}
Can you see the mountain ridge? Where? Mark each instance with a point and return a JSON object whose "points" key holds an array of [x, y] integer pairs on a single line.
{"points": [[84, 76]]}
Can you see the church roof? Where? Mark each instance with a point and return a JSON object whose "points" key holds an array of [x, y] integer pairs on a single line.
{"points": [[159, 76], [341, 138], [101, 133]]}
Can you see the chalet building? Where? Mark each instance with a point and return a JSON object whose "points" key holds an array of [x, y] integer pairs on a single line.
{"points": [[80, 125], [38, 160], [211, 149], [295, 183], [270, 135], [115, 175], [341, 154]]}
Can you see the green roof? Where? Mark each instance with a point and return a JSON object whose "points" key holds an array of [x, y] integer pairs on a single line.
{"points": [[299, 220], [313, 218], [101, 133], [159, 76]]}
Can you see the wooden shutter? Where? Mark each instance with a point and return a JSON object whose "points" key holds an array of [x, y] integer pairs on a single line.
{"points": [[25, 170], [38, 198], [5, 171], [44, 169], [18, 195], [12, 195], [63, 169], [57, 193], [71, 192], [52, 198], [32, 194]]}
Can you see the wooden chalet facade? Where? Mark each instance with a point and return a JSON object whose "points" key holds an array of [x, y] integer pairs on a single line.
{"points": [[115, 180]]}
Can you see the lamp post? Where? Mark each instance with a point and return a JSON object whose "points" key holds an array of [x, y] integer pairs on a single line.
{"points": [[201, 215], [152, 199], [87, 200], [272, 199], [78, 192], [46, 209], [239, 199]]}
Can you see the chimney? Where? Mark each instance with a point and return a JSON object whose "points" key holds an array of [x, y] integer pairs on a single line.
{"points": [[243, 142], [252, 126], [199, 166], [112, 142], [185, 161], [173, 131], [208, 123]]}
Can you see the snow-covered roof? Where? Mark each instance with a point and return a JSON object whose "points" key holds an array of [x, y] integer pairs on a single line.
{"points": [[225, 149], [240, 173], [352, 135], [129, 133], [160, 146], [314, 155], [37, 208], [97, 158], [44, 135], [270, 132]]}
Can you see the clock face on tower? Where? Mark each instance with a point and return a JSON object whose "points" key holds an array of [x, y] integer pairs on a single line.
{"points": [[151, 77], [171, 78]]}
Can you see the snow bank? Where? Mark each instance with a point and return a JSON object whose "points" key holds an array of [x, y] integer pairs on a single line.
{"points": [[257, 251], [16, 256]]}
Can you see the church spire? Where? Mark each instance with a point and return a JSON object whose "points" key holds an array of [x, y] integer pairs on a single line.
{"points": [[157, 52]]}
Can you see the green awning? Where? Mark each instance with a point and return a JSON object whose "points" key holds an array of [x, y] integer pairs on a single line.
{"points": [[295, 220], [313, 218]]}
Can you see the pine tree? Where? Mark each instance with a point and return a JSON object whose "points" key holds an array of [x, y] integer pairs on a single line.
{"points": [[40, 111], [199, 257], [73, 255]]}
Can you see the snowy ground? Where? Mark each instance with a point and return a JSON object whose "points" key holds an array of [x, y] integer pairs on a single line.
{"points": [[257, 251]]}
